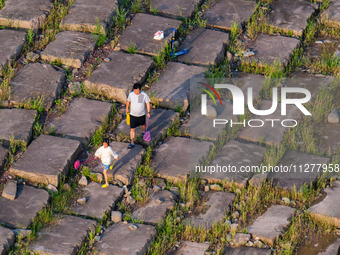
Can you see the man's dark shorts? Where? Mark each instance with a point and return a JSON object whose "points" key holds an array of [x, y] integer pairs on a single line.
{"points": [[137, 121]]}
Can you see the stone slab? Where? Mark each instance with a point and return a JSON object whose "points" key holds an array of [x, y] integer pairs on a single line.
{"points": [[36, 81], [330, 137], [17, 124], [112, 79], [332, 14], [329, 208], [247, 80], [81, 120], [192, 248], [202, 127], [119, 239], [159, 122], [269, 49], [247, 251], [64, 237], [28, 14], [12, 42], [172, 89], [3, 157], [129, 159], [153, 212], [205, 47], [175, 9], [141, 32], [332, 249], [224, 14], [10, 190], [272, 223], [20, 212], [175, 159], [83, 16], [46, 159], [70, 48], [219, 204], [7, 239], [98, 200], [291, 15], [307, 81], [287, 180], [238, 155], [270, 132]]}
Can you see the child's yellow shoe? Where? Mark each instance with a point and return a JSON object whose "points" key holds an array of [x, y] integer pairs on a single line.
{"points": [[111, 166], [105, 186]]}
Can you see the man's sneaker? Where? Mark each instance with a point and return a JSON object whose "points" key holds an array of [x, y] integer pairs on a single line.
{"points": [[131, 146], [105, 186]]}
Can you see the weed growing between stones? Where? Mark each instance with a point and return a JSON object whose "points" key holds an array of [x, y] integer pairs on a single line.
{"points": [[16, 145], [304, 137], [153, 98], [258, 20], [8, 73], [188, 191], [168, 232], [197, 20], [119, 19], [173, 130], [38, 126], [57, 62], [60, 106], [132, 49], [154, 11], [220, 71], [139, 192], [137, 6], [2, 3], [52, 131], [273, 154], [90, 241], [101, 132], [86, 171], [235, 33], [162, 57], [329, 64], [302, 230], [274, 70], [326, 30], [143, 172], [100, 35], [51, 27], [30, 38], [34, 104]]}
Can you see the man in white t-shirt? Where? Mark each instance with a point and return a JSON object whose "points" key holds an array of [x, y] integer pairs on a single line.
{"points": [[137, 99]]}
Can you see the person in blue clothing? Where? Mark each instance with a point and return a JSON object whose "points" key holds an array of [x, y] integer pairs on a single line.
{"points": [[139, 102]]}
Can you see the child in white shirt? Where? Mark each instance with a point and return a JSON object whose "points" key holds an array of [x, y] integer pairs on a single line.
{"points": [[105, 153]]}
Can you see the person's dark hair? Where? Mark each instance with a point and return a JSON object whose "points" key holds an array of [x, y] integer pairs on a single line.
{"points": [[137, 86], [106, 140]]}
